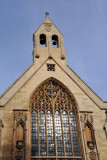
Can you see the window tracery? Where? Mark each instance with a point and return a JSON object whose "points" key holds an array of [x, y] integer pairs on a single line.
{"points": [[53, 123]]}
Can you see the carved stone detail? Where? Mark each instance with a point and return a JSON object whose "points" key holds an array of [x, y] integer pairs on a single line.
{"points": [[37, 56], [86, 117], [91, 145], [19, 137], [62, 44], [62, 57], [90, 142], [92, 155], [50, 67], [48, 26]]}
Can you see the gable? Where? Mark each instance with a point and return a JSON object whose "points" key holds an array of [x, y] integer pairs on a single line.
{"points": [[32, 78], [48, 26]]}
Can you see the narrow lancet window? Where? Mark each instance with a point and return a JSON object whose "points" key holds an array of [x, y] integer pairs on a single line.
{"points": [[42, 133], [50, 135], [74, 134], [34, 134], [66, 133], [58, 132]]}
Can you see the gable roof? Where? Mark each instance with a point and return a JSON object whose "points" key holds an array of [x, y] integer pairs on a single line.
{"points": [[48, 20], [25, 77]]}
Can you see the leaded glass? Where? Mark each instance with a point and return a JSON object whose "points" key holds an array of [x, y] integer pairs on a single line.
{"points": [[58, 132], [66, 132], [34, 134], [74, 134], [42, 134], [53, 123], [50, 136]]}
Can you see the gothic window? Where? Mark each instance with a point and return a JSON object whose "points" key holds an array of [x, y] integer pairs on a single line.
{"points": [[55, 41], [53, 122], [43, 40]]}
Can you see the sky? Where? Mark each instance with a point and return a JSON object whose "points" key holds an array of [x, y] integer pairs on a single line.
{"points": [[83, 24]]}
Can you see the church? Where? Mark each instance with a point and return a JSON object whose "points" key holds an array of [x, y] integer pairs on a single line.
{"points": [[49, 113]]}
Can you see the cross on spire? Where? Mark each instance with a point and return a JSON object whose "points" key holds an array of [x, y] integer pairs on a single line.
{"points": [[47, 14]]}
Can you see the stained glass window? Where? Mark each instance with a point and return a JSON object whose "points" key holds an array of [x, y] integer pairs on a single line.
{"points": [[74, 134], [58, 132], [66, 133], [42, 133], [34, 134], [50, 136], [53, 122]]}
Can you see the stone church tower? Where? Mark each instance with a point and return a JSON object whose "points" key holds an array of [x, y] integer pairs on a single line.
{"points": [[49, 112]]}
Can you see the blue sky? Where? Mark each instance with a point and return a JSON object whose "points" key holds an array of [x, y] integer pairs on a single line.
{"points": [[83, 24]]}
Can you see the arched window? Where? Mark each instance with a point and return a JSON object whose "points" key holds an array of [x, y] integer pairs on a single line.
{"points": [[53, 122], [55, 41], [43, 40]]}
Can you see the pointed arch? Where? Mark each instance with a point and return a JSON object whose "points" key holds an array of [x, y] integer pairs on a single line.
{"points": [[21, 122], [89, 134], [60, 88], [56, 114]]}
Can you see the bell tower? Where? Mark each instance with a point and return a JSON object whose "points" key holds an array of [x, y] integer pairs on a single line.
{"points": [[48, 43]]}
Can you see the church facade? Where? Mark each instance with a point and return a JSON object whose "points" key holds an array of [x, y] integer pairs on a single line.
{"points": [[49, 112]]}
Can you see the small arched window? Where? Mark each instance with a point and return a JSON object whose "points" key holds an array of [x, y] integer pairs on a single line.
{"points": [[55, 41], [43, 40]]}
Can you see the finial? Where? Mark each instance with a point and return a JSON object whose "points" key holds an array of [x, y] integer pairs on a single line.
{"points": [[47, 14]]}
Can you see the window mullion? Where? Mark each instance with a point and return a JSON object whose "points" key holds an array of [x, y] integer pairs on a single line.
{"points": [[53, 120], [54, 130], [62, 132], [70, 134], [38, 133], [46, 134]]}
